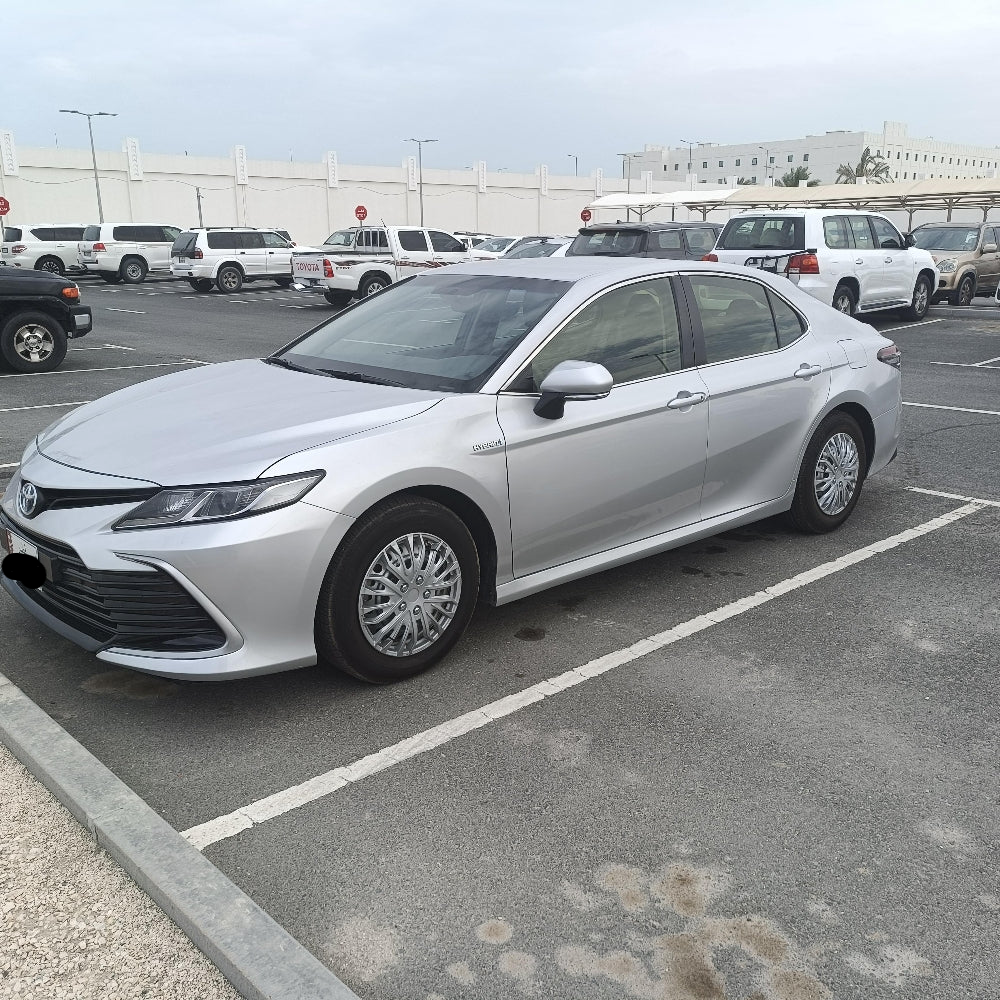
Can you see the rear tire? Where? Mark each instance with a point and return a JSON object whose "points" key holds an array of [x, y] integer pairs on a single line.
{"points": [[229, 278], [372, 284], [133, 270], [921, 299], [200, 284], [111, 277], [830, 478], [32, 342], [51, 264], [405, 578], [283, 282], [845, 301], [338, 299]]}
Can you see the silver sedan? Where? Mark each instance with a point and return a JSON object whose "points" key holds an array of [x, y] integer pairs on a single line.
{"points": [[471, 435]]}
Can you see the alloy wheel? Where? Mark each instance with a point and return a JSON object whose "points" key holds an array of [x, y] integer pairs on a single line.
{"points": [[836, 475], [34, 343]]}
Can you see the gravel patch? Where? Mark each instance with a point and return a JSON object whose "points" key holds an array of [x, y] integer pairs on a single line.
{"points": [[73, 924]]}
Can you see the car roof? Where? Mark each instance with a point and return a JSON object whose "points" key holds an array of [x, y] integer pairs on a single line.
{"points": [[579, 268], [756, 213], [646, 227]]}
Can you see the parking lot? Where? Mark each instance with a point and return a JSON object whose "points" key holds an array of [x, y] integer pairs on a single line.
{"points": [[628, 786]]}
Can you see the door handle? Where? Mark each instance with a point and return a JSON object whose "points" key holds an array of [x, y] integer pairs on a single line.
{"points": [[807, 371], [859, 260], [685, 399], [889, 260]]}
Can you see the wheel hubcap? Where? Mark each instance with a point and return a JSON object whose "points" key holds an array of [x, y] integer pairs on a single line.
{"points": [[920, 299], [836, 476], [51, 265], [134, 271], [844, 304], [410, 594], [33, 343], [965, 295], [375, 286]]}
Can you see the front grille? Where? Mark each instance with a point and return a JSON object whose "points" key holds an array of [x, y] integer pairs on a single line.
{"points": [[147, 610]]}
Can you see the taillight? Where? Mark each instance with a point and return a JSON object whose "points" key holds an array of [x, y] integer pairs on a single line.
{"points": [[890, 355], [98, 248], [71, 293], [711, 257], [803, 263], [327, 269], [18, 248], [197, 254]]}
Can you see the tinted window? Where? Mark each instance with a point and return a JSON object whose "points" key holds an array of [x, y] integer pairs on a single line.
{"points": [[608, 243], [170, 233], [437, 331], [837, 233], [225, 239], [443, 243], [769, 232], [632, 331], [250, 241], [130, 234], [886, 235], [412, 239], [668, 239], [735, 317], [861, 231], [790, 324], [11, 234], [92, 233], [53, 234], [184, 242]]}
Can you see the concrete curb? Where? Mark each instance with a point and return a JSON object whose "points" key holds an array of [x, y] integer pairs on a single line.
{"points": [[258, 956]]}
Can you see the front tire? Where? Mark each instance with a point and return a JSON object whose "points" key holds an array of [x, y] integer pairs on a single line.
{"points": [[830, 478], [845, 301], [399, 593], [32, 342], [921, 299], [965, 292], [51, 264], [229, 278], [134, 270]]}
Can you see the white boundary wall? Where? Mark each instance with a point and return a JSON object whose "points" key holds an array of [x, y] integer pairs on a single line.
{"points": [[310, 200]]}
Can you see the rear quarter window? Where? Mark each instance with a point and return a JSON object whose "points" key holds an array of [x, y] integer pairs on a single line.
{"points": [[92, 234], [11, 234]]}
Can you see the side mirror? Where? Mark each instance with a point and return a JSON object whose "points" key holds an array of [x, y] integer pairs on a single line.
{"points": [[573, 380], [889, 245], [909, 241], [990, 248]]}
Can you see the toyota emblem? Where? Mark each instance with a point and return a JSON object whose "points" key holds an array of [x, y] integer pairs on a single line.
{"points": [[27, 499]]}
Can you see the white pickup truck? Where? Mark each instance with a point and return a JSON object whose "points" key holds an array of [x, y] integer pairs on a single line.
{"points": [[362, 261]]}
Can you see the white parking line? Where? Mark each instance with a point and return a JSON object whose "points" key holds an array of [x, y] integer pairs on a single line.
{"points": [[118, 368], [229, 825], [135, 312], [103, 347], [9, 465], [910, 326], [956, 409], [44, 406], [958, 364], [953, 496]]}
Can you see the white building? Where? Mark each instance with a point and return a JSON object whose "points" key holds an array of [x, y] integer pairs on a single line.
{"points": [[909, 158]]}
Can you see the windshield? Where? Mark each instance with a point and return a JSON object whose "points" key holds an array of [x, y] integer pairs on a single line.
{"points": [[495, 244], [539, 248], [769, 232], [433, 332], [946, 238], [341, 238], [608, 243]]}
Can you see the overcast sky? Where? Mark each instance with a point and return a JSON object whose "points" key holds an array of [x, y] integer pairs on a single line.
{"points": [[514, 82]]}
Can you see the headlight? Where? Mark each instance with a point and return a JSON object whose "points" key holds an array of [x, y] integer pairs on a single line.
{"points": [[946, 266], [195, 504]]}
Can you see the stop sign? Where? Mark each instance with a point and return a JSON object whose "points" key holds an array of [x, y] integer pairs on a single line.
{"points": [[4, 206], [361, 213], [585, 215]]}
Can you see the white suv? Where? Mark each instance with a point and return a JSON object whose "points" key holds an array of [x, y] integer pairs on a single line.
{"points": [[126, 251], [42, 246], [229, 256], [858, 262]]}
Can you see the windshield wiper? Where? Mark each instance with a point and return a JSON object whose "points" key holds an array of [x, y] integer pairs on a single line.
{"points": [[285, 363], [360, 377]]}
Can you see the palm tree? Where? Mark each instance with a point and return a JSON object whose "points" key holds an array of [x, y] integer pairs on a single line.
{"points": [[873, 169], [792, 178]]}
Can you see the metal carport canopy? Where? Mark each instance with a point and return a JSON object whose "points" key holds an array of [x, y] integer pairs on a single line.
{"points": [[937, 194]]}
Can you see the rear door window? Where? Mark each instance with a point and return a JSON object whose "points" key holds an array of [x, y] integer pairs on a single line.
{"points": [[251, 241], [837, 233], [736, 317], [861, 231]]}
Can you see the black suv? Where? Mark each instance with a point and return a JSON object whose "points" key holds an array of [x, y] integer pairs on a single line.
{"points": [[672, 240], [39, 312]]}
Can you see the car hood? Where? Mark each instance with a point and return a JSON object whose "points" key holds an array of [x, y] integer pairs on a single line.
{"points": [[221, 423]]}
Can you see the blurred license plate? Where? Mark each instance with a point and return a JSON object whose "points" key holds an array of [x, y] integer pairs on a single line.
{"points": [[15, 543]]}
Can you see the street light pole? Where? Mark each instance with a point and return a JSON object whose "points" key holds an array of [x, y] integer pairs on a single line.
{"points": [[767, 164], [93, 152], [420, 172], [576, 164], [690, 143], [627, 158]]}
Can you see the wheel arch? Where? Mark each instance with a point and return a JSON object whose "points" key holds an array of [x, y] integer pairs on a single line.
{"points": [[374, 273], [228, 263], [932, 278], [864, 420], [852, 283], [49, 256]]}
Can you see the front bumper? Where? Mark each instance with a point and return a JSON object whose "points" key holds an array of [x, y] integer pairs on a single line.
{"points": [[204, 602], [83, 321]]}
